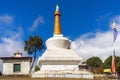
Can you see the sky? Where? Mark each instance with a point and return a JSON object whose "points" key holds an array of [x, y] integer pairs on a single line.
{"points": [[87, 23]]}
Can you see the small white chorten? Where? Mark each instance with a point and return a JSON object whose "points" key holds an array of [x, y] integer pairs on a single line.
{"points": [[18, 54]]}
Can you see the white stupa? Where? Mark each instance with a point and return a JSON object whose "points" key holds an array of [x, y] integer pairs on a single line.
{"points": [[59, 58], [59, 55]]}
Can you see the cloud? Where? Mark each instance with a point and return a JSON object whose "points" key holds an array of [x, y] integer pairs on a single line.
{"points": [[7, 19], [6, 23], [36, 23], [98, 44]]}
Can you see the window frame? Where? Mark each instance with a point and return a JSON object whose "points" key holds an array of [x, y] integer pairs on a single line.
{"points": [[14, 70]]}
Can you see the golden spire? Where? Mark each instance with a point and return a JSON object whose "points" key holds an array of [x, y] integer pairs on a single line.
{"points": [[57, 27]]}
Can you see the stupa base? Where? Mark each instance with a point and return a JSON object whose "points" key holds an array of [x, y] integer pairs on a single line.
{"points": [[63, 74]]}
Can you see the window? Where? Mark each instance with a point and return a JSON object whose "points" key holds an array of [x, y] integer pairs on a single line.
{"points": [[16, 67]]}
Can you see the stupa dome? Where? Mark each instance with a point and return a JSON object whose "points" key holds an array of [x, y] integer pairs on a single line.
{"points": [[58, 41]]}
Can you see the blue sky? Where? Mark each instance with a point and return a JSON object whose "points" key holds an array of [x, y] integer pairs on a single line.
{"points": [[86, 22], [78, 17]]}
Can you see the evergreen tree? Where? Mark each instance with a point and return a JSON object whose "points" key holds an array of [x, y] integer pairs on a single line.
{"points": [[94, 62], [108, 62], [33, 45]]}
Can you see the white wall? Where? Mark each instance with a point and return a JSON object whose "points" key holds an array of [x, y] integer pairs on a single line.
{"points": [[9, 64], [58, 67]]}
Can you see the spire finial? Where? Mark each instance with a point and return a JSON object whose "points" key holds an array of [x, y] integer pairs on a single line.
{"points": [[57, 27], [114, 25], [57, 7]]}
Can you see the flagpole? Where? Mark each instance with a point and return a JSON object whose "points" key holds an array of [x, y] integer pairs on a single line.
{"points": [[114, 43], [114, 62]]}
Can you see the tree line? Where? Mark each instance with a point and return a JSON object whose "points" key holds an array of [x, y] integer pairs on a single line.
{"points": [[97, 65]]}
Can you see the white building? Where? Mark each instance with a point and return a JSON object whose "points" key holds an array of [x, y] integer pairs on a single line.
{"points": [[16, 65], [59, 59]]}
